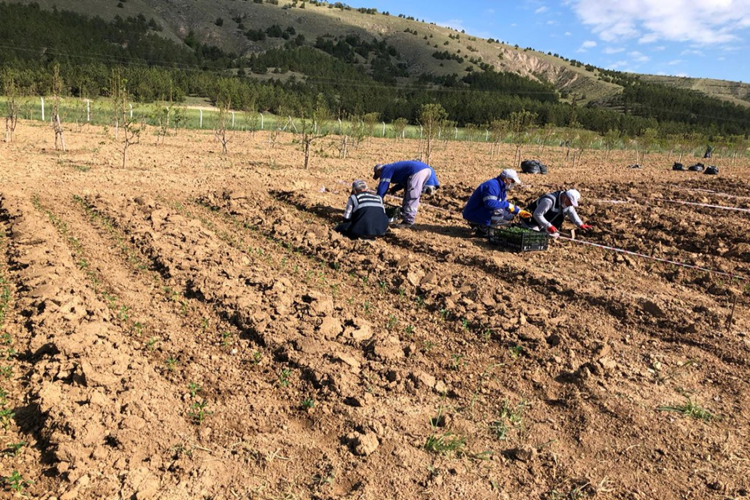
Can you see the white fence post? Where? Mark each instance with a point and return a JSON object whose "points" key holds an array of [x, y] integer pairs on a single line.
{"points": [[200, 120], [261, 121], [131, 111], [383, 129], [456, 136], [486, 135], [340, 126], [232, 119], [42, 98], [88, 110]]}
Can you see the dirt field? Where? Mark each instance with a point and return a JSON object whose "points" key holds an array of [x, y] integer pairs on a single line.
{"points": [[191, 327]]}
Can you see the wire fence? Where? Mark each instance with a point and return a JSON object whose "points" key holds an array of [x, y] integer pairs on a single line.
{"points": [[100, 112]]}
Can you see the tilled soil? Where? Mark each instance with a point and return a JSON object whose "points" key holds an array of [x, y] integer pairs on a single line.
{"points": [[192, 327]]}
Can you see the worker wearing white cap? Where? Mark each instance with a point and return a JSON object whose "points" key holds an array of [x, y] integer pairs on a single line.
{"points": [[488, 204], [549, 211]]}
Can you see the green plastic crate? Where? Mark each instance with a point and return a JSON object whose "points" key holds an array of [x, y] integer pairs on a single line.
{"points": [[517, 239]]}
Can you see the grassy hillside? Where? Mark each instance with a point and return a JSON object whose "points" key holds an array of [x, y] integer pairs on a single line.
{"points": [[179, 17]]}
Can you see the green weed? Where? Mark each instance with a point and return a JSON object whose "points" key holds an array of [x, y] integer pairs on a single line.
{"points": [[308, 403], [509, 418], [690, 409], [445, 443], [392, 322], [194, 389], [457, 362], [516, 351], [257, 357]]}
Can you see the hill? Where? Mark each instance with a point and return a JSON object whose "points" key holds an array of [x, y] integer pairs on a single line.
{"points": [[358, 60]]}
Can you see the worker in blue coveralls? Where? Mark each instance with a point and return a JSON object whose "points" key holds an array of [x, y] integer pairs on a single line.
{"points": [[488, 204], [413, 175], [429, 188]]}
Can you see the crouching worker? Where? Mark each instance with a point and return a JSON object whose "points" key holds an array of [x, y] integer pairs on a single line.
{"points": [[549, 211], [413, 175], [488, 205], [364, 216]]}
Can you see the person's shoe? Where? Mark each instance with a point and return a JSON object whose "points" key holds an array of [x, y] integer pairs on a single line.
{"points": [[481, 231], [403, 225]]}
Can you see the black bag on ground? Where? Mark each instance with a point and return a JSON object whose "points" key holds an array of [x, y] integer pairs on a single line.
{"points": [[711, 170], [533, 167], [635, 165], [678, 166], [698, 167]]}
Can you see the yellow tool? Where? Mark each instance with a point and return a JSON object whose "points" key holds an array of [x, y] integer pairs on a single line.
{"points": [[524, 214]]}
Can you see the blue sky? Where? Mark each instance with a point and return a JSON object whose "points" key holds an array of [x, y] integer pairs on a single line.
{"points": [[699, 38]]}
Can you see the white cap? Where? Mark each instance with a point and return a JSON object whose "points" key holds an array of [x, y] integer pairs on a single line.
{"points": [[511, 174], [573, 195]]}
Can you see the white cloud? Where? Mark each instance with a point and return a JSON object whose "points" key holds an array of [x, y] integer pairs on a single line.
{"points": [[722, 58], [638, 56], [675, 62], [692, 52], [456, 24], [568, 33], [613, 50], [704, 22], [658, 48], [552, 23], [588, 44], [541, 10], [618, 65]]}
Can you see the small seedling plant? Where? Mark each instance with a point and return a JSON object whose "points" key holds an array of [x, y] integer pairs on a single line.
{"points": [[16, 482]]}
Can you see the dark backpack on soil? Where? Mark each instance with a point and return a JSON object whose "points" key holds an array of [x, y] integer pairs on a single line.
{"points": [[711, 170], [678, 166], [698, 167]]}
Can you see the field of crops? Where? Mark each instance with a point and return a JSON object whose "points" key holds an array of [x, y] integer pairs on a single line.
{"points": [[192, 327]]}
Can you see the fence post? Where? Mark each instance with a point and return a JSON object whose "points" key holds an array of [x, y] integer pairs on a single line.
{"points": [[383, 129], [340, 126], [456, 136], [232, 119], [88, 110], [131, 110], [261, 121], [200, 120], [486, 135], [420, 131], [42, 98]]}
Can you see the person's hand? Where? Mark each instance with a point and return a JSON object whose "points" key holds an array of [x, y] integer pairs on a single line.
{"points": [[552, 231], [524, 214], [585, 227]]}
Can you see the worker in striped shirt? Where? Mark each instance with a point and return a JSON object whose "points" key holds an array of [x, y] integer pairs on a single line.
{"points": [[364, 216]]}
